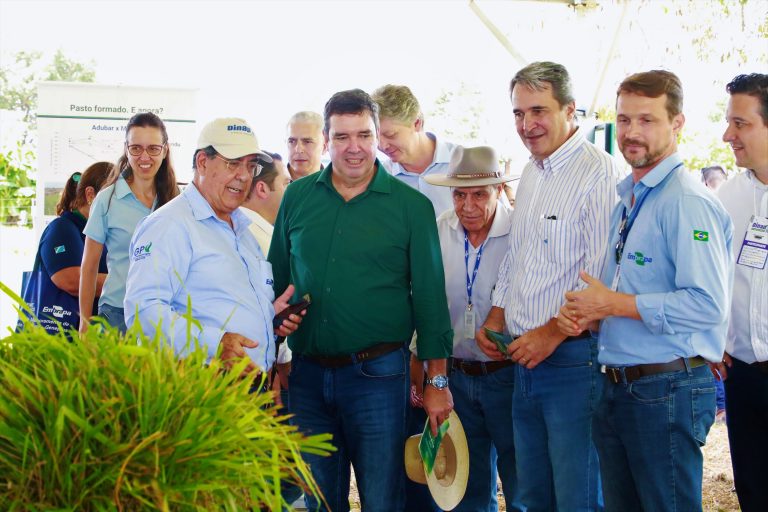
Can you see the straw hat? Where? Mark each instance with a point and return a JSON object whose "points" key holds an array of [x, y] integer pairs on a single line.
{"points": [[448, 480], [471, 167]]}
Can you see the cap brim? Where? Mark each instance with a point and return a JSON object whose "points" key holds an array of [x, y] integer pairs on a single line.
{"points": [[442, 180], [235, 151]]}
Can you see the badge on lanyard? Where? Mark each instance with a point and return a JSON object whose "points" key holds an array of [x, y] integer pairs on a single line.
{"points": [[754, 249], [469, 322], [469, 313]]}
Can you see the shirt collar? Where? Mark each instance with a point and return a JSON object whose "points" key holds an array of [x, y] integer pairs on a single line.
{"points": [[201, 209], [122, 188], [754, 181], [627, 187], [379, 183], [256, 218], [562, 155]]}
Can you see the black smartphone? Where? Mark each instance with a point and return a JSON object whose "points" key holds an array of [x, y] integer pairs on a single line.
{"points": [[292, 309]]}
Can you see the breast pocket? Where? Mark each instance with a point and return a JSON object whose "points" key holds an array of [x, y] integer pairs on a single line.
{"points": [[560, 240]]}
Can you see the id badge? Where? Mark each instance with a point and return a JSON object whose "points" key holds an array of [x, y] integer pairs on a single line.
{"points": [[615, 282], [754, 249], [469, 322]]}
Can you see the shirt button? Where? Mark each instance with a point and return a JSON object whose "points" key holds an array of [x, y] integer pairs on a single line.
{"points": [[602, 347], [328, 290], [325, 320], [339, 231], [333, 260]]}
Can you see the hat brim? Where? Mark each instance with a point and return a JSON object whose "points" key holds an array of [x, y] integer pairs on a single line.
{"points": [[442, 180], [446, 495], [235, 151]]}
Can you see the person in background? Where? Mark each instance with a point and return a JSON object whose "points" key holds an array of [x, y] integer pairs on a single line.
{"points": [[142, 181], [61, 245], [305, 144], [264, 198], [713, 177], [744, 365]]}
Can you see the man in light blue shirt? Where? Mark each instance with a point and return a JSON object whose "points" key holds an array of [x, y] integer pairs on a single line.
{"points": [[196, 259], [414, 153], [663, 302]]}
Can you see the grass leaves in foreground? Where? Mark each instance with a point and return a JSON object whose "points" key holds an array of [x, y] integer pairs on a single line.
{"points": [[108, 424]]}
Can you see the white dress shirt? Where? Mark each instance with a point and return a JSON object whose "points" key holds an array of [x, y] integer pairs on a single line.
{"points": [[744, 196]]}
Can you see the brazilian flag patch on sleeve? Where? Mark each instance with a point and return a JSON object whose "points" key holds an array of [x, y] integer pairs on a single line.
{"points": [[701, 236]]}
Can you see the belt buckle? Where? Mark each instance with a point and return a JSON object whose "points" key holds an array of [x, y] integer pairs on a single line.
{"points": [[463, 366], [614, 374]]}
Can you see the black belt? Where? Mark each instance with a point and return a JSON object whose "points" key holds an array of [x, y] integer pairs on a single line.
{"points": [[372, 352], [632, 373], [584, 335], [478, 368], [761, 365]]}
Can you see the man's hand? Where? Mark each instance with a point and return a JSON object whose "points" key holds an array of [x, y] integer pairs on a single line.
{"points": [[438, 403], [495, 322], [720, 370], [291, 323], [597, 301], [536, 345], [233, 350], [567, 323]]}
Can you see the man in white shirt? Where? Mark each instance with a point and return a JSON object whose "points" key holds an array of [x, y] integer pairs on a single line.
{"points": [[560, 226], [414, 152], [305, 143], [264, 199], [474, 236], [745, 363]]}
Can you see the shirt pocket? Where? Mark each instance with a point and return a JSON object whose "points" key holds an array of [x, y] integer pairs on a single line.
{"points": [[560, 240]]}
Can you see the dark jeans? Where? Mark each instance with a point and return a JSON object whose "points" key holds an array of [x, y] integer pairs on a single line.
{"points": [[557, 466], [114, 317], [363, 406], [649, 435], [746, 391]]}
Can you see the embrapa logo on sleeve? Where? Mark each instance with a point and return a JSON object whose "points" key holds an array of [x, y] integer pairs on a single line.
{"points": [[141, 252], [639, 258]]}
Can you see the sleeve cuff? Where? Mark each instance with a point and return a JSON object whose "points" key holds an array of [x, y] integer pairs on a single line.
{"points": [[650, 306], [435, 347]]}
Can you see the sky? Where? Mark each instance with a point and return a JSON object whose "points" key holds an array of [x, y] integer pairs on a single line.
{"points": [[265, 60]]}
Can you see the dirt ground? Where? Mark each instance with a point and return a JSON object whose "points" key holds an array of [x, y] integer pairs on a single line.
{"points": [[718, 476]]}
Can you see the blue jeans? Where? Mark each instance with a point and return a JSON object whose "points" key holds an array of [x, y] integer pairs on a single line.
{"points": [[363, 406], [114, 317], [746, 389], [557, 466], [484, 406], [649, 435]]}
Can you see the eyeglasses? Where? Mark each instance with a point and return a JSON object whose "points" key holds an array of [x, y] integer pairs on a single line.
{"points": [[152, 149], [253, 166]]}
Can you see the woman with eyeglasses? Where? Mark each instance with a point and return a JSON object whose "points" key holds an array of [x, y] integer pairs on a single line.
{"points": [[61, 245], [142, 181]]}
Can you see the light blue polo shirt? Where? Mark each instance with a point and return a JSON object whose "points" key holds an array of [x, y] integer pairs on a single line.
{"points": [[112, 221], [677, 263]]}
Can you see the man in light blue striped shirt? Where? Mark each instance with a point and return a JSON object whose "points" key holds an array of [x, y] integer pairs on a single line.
{"points": [[559, 226]]}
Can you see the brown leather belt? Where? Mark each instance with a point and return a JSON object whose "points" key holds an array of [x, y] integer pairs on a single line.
{"points": [[761, 365], [584, 335], [632, 373], [478, 368], [372, 352]]}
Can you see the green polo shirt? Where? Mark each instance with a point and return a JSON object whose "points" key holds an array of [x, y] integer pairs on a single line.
{"points": [[371, 265]]}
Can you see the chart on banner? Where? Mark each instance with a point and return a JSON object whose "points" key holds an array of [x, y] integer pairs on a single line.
{"points": [[79, 124]]}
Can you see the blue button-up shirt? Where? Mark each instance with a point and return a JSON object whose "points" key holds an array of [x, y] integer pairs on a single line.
{"points": [[676, 261], [112, 220], [184, 252]]}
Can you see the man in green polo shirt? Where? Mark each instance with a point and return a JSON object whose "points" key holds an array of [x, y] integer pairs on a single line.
{"points": [[364, 246]]}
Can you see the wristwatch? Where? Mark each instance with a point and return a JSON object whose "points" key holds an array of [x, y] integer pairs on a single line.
{"points": [[438, 381]]}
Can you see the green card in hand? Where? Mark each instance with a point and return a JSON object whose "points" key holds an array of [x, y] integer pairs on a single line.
{"points": [[429, 444], [501, 340]]}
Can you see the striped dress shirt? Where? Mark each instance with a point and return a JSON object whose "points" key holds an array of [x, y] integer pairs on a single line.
{"points": [[559, 227]]}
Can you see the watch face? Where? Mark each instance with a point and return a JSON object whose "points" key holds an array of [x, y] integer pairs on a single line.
{"points": [[439, 381]]}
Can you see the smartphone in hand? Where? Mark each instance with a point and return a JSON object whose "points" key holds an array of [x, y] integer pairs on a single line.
{"points": [[292, 309]]}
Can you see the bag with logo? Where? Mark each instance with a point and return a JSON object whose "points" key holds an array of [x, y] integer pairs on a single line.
{"points": [[49, 303]]}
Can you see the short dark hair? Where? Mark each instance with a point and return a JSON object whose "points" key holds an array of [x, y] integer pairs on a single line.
{"points": [[209, 152], [654, 83], [755, 85], [353, 101], [268, 171]]}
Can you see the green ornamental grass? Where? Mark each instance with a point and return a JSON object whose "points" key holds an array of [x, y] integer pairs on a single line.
{"points": [[109, 423]]}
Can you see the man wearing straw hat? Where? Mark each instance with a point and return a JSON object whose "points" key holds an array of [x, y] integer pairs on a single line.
{"points": [[560, 227], [474, 236]]}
